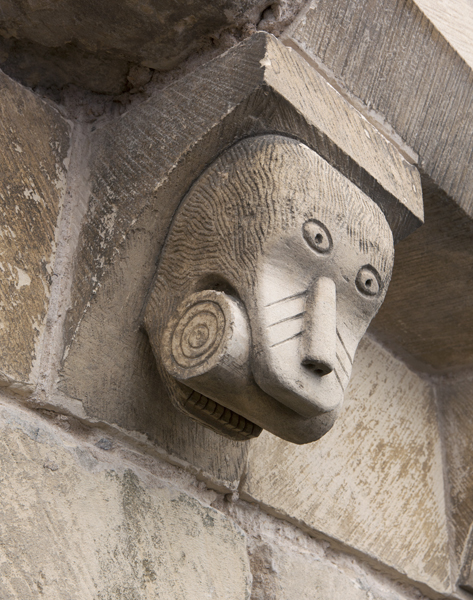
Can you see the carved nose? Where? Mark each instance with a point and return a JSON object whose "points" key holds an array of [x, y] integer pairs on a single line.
{"points": [[320, 327]]}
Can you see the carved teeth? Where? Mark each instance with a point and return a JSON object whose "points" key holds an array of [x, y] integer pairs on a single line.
{"points": [[222, 417]]}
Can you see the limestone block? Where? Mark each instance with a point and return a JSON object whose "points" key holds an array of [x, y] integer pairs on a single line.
{"points": [[92, 44], [142, 166], [428, 312], [293, 573], [34, 144], [454, 20], [457, 416], [78, 528], [392, 58], [374, 483]]}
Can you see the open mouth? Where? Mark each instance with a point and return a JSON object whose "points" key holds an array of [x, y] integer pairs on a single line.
{"points": [[221, 419]]}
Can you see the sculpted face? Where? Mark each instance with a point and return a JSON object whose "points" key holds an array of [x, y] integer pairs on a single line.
{"points": [[273, 268], [316, 292]]}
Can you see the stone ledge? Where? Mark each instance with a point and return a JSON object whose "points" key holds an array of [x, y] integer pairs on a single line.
{"points": [[390, 56]]}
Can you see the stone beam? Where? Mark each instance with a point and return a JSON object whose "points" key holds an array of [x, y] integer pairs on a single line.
{"points": [[404, 70]]}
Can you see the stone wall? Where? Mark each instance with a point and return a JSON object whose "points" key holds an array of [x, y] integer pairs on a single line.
{"points": [[107, 491]]}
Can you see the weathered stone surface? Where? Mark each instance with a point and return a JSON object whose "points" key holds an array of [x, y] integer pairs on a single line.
{"points": [[34, 144], [428, 312], [390, 56], [36, 65], [466, 580], [454, 20], [77, 525], [295, 574], [375, 481], [92, 44], [143, 164], [457, 416]]}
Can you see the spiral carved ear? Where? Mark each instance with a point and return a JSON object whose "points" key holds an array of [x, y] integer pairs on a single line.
{"points": [[206, 344]]}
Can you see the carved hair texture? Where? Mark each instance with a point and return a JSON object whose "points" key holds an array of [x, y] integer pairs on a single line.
{"points": [[261, 185]]}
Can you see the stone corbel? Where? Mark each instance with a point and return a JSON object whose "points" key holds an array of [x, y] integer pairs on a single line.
{"points": [[271, 206], [272, 270], [274, 265]]}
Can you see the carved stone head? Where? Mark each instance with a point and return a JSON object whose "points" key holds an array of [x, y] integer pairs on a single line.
{"points": [[272, 270]]}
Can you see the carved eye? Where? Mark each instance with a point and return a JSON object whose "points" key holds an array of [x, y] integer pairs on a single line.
{"points": [[317, 236], [368, 281]]}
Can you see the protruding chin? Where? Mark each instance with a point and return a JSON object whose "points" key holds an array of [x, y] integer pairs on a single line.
{"points": [[307, 394]]}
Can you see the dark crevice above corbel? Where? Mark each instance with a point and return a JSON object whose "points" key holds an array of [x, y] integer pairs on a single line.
{"points": [[115, 47]]}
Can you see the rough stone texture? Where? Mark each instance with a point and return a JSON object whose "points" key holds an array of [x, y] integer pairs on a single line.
{"points": [[428, 312], [466, 583], [375, 486], [389, 55], [136, 187], [34, 144], [375, 481], [454, 396], [454, 20], [292, 573], [100, 46], [76, 525]]}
